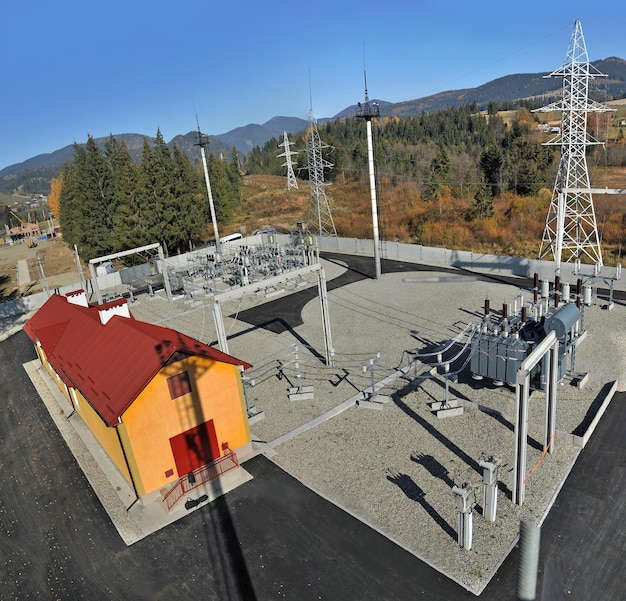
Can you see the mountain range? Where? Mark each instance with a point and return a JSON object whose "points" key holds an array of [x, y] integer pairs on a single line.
{"points": [[531, 86]]}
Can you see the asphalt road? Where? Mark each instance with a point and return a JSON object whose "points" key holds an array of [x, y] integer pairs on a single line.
{"points": [[271, 538]]}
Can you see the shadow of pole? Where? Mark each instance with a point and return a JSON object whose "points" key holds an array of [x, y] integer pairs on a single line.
{"points": [[415, 493], [226, 560], [444, 440], [433, 467]]}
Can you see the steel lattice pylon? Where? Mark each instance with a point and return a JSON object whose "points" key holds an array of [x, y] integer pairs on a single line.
{"points": [[291, 176], [319, 219], [571, 231]]}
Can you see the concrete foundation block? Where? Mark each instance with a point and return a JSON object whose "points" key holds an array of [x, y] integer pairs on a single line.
{"points": [[255, 417], [295, 389], [454, 412], [301, 396], [370, 405], [444, 405]]}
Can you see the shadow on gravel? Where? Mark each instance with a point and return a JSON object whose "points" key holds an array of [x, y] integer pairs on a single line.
{"points": [[444, 440], [433, 467], [278, 326], [593, 410], [415, 493]]}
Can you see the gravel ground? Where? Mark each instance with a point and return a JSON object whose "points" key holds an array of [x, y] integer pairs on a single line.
{"points": [[394, 468]]}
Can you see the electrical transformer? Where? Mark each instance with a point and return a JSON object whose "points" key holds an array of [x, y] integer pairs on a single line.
{"points": [[501, 348]]}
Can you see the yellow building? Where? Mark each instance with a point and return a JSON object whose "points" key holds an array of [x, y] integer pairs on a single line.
{"points": [[165, 407]]}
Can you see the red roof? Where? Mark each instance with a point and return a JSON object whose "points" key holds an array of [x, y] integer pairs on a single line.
{"points": [[110, 364]]}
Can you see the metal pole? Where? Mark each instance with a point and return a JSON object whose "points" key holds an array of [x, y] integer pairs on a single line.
{"points": [[370, 162], [465, 500], [79, 267], [219, 327], [94, 283], [39, 262], [521, 432], [553, 362], [490, 487], [530, 536], [211, 204], [328, 339], [560, 231], [166, 278]]}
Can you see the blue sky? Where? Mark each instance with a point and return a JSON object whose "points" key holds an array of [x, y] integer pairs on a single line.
{"points": [[75, 67]]}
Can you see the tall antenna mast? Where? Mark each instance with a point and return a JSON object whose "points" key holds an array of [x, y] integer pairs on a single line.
{"points": [[203, 141], [571, 230], [368, 111], [319, 208], [291, 177]]}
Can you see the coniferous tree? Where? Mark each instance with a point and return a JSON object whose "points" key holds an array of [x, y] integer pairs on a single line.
{"points": [[491, 167], [439, 172], [128, 220], [70, 214], [225, 194], [188, 195], [87, 203], [482, 206], [155, 192]]}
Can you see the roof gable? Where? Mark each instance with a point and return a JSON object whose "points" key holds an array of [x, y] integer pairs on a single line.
{"points": [[110, 364]]}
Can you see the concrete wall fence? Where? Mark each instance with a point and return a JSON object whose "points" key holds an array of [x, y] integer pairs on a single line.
{"points": [[461, 259], [411, 253]]}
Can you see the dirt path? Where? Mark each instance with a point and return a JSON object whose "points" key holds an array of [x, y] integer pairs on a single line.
{"points": [[57, 261]]}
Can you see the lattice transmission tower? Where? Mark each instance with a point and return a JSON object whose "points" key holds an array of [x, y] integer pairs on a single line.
{"points": [[291, 176], [571, 231], [319, 219]]}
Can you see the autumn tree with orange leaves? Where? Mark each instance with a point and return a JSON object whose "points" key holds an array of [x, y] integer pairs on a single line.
{"points": [[56, 186]]}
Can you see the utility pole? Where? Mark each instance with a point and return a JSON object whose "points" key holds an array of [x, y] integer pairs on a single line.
{"points": [[571, 230], [79, 267], [368, 111], [39, 263], [202, 142]]}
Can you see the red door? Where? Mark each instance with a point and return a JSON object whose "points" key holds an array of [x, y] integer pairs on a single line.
{"points": [[194, 448]]}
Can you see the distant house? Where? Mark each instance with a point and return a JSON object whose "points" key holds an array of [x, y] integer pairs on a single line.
{"points": [[25, 230], [160, 403]]}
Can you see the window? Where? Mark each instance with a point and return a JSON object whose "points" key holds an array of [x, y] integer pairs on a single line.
{"points": [[179, 385]]}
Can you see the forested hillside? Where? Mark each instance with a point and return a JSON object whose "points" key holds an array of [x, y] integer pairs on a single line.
{"points": [[458, 178]]}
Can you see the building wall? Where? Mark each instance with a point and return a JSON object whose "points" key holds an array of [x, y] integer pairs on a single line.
{"points": [[53, 374], [154, 418], [104, 434]]}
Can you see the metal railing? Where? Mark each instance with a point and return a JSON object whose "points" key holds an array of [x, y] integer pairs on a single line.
{"points": [[200, 476]]}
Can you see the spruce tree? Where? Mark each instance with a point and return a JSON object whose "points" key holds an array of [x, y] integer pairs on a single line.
{"points": [[128, 220], [190, 207]]}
